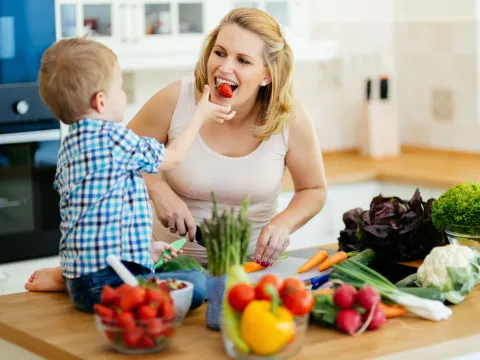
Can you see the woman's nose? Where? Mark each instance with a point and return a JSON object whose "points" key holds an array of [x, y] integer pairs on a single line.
{"points": [[227, 65]]}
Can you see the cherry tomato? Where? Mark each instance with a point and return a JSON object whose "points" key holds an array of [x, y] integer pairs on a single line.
{"points": [[271, 279], [290, 286], [299, 303], [240, 295]]}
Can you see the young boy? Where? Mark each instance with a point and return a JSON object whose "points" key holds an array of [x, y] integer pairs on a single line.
{"points": [[104, 205]]}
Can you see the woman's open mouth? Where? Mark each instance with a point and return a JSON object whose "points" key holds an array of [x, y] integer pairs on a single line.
{"points": [[219, 81]]}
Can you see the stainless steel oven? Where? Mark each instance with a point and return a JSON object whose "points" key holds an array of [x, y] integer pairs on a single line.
{"points": [[29, 206]]}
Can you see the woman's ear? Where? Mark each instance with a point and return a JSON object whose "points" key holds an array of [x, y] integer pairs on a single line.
{"points": [[266, 80], [98, 102]]}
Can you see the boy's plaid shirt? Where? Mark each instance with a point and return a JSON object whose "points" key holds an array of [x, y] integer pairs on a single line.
{"points": [[104, 204]]}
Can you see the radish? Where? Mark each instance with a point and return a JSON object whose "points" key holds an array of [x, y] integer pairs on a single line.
{"points": [[378, 318], [367, 297], [348, 320], [344, 296]]}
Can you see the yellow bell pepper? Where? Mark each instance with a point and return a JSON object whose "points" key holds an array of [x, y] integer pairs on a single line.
{"points": [[266, 329]]}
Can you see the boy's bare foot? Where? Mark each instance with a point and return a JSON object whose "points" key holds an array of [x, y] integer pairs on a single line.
{"points": [[48, 279]]}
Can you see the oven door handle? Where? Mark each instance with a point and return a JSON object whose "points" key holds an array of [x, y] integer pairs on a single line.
{"points": [[30, 136]]}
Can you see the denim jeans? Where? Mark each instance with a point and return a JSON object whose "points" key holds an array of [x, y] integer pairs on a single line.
{"points": [[86, 291]]}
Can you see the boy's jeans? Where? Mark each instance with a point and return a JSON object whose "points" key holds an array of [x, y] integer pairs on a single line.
{"points": [[85, 291]]}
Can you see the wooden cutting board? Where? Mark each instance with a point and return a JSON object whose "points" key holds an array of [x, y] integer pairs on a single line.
{"points": [[287, 268]]}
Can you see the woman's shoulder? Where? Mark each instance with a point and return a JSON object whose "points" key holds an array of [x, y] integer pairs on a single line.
{"points": [[302, 122]]}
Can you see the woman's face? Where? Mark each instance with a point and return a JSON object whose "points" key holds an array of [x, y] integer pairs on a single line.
{"points": [[236, 58]]}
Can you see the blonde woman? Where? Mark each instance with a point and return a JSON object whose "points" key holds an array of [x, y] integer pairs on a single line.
{"points": [[247, 155]]}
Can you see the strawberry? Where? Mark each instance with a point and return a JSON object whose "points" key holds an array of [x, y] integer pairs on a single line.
{"points": [[146, 342], [146, 312], [155, 327], [132, 337], [104, 312], [225, 90], [168, 312], [155, 298], [132, 299], [123, 289], [109, 295], [126, 320]]}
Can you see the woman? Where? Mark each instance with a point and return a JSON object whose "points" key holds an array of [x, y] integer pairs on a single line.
{"points": [[244, 156]]}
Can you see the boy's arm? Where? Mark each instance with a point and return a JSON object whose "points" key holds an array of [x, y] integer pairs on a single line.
{"points": [[133, 152]]}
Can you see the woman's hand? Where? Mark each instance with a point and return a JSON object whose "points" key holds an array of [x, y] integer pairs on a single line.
{"points": [[158, 247], [271, 243], [172, 211]]}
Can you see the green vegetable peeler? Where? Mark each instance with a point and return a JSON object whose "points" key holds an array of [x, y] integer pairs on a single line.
{"points": [[177, 245]]}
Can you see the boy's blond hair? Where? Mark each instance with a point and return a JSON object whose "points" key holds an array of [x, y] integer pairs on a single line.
{"points": [[72, 71], [277, 97]]}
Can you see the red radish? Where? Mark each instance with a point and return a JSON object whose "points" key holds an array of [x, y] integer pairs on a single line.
{"points": [[344, 296], [348, 320], [378, 318], [367, 297]]}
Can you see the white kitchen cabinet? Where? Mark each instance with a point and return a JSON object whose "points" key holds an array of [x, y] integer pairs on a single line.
{"points": [[148, 34]]}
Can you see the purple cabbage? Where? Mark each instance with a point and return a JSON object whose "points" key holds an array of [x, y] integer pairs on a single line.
{"points": [[395, 229]]}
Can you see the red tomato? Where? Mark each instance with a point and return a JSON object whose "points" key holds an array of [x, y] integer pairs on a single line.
{"points": [[299, 303], [290, 286], [240, 295], [271, 279]]}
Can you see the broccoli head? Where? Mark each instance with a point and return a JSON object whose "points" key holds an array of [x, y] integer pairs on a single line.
{"points": [[458, 207]]}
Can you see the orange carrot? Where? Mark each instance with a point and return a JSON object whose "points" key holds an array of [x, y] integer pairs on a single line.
{"points": [[392, 310], [315, 260], [252, 266], [334, 259]]}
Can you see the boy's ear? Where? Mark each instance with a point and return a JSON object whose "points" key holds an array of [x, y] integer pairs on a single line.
{"points": [[98, 102]]}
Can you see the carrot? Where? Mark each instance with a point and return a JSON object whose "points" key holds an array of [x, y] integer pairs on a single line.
{"points": [[334, 259], [252, 266], [315, 260], [392, 310]]}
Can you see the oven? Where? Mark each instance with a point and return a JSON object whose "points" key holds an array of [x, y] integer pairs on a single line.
{"points": [[29, 205]]}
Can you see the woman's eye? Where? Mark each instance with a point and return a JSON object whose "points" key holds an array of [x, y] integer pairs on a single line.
{"points": [[219, 53], [243, 61]]}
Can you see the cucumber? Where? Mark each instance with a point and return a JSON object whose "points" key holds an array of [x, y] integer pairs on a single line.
{"points": [[426, 293], [365, 257], [409, 281]]}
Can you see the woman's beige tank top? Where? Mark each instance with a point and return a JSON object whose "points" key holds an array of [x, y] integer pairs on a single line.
{"points": [[258, 175]]}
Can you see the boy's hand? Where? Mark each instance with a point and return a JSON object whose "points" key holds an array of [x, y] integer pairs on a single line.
{"points": [[208, 110], [158, 247]]}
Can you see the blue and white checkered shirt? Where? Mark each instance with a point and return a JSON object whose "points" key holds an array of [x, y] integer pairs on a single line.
{"points": [[104, 204]]}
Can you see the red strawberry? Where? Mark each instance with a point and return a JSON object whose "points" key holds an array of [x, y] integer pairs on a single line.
{"points": [[146, 312], [126, 320], [133, 299], [146, 342], [123, 289], [155, 298], [132, 337], [104, 312], [168, 312], [109, 295], [225, 90], [155, 327]]}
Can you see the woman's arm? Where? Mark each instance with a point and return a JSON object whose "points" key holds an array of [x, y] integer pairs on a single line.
{"points": [[153, 120], [305, 163]]}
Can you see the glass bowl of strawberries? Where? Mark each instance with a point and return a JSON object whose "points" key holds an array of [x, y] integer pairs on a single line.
{"points": [[136, 319]]}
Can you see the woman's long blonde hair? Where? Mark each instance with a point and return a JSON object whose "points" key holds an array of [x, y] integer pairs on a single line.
{"points": [[277, 97]]}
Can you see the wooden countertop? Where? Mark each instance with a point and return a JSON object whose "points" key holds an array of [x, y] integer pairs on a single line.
{"points": [[417, 166], [49, 325]]}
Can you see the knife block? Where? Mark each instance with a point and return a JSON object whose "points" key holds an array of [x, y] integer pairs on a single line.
{"points": [[378, 132]]}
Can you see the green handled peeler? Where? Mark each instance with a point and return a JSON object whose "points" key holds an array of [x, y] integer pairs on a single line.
{"points": [[177, 245]]}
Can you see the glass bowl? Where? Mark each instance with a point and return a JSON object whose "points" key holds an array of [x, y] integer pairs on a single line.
{"points": [[463, 235], [288, 351], [147, 337]]}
